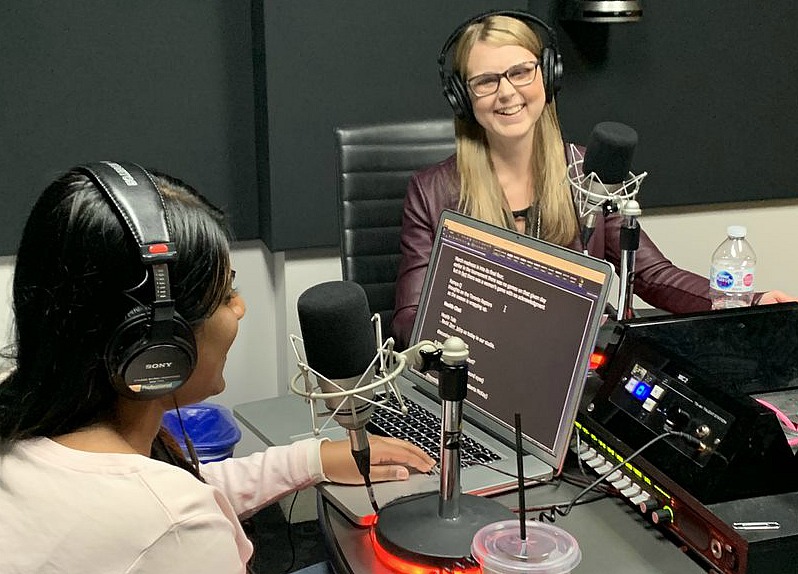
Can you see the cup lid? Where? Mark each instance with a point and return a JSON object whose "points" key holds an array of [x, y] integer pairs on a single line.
{"points": [[548, 549]]}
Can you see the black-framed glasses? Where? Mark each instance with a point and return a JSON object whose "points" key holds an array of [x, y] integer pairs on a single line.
{"points": [[519, 75]]}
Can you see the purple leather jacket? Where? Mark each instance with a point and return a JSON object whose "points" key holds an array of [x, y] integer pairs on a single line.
{"points": [[657, 281]]}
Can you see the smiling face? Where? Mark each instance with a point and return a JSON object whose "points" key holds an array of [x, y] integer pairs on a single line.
{"points": [[512, 112], [214, 338]]}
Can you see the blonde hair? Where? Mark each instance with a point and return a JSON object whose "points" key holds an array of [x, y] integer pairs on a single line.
{"points": [[481, 195]]}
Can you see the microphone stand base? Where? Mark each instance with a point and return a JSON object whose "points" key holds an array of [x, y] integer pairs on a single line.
{"points": [[411, 529]]}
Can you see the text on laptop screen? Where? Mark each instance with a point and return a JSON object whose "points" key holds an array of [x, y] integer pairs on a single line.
{"points": [[526, 313]]}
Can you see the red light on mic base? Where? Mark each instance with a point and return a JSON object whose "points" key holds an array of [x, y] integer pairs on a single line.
{"points": [[402, 566]]}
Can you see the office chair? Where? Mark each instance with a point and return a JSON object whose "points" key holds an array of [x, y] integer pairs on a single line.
{"points": [[374, 164]]}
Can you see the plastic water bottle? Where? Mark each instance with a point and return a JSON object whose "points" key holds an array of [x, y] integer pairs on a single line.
{"points": [[731, 279]]}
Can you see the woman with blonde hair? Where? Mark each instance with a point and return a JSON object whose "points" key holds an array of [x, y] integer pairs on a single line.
{"points": [[510, 166]]}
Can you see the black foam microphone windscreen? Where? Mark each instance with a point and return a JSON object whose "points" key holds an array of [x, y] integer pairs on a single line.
{"points": [[609, 151], [336, 326]]}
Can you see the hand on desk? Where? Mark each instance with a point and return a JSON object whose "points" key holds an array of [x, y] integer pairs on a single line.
{"points": [[775, 297], [391, 459]]}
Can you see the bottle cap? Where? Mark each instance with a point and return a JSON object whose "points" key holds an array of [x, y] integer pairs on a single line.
{"points": [[736, 231]]}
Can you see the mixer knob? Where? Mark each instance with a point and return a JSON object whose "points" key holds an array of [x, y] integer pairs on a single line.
{"points": [[662, 516], [649, 504], [677, 419]]}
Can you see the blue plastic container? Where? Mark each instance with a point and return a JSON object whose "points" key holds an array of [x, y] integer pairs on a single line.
{"points": [[211, 428]]}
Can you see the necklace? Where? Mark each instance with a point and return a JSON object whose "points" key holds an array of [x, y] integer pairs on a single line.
{"points": [[529, 214]]}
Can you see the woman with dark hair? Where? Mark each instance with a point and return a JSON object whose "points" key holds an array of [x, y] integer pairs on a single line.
{"points": [[509, 168], [88, 478]]}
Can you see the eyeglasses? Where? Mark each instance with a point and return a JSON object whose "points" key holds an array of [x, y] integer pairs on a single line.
{"points": [[519, 75]]}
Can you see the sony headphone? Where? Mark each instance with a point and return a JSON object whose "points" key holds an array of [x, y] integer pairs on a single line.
{"points": [[454, 87], [153, 351]]}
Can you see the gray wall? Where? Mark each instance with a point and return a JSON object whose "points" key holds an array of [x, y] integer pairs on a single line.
{"points": [[165, 84], [710, 87], [240, 98], [337, 63]]}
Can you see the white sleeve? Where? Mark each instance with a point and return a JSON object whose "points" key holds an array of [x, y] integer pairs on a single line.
{"points": [[252, 482], [200, 545]]}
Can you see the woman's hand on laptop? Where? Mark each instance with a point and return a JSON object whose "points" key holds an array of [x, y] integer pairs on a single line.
{"points": [[391, 459]]}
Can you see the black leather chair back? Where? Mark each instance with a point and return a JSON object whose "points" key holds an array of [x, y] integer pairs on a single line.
{"points": [[375, 163]]}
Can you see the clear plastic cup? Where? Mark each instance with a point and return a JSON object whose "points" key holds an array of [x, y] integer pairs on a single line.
{"points": [[548, 549]]}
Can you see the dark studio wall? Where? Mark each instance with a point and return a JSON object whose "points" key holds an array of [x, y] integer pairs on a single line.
{"points": [[164, 84], [329, 64], [240, 98], [710, 88]]}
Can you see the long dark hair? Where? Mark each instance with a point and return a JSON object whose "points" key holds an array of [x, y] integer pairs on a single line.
{"points": [[77, 276]]}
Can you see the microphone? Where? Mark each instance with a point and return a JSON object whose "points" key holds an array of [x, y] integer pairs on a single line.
{"points": [[340, 344], [349, 360], [601, 180], [349, 394]]}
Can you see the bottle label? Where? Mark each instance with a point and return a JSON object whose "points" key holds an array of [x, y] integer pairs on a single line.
{"points": [[732, 280]]}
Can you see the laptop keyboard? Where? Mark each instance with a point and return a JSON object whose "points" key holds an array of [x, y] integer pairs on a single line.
{"points": [[423, 428]]}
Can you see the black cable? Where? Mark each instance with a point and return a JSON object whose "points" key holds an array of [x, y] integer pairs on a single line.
{"points": [[290, 534], [543, 507], [555, 511], [575, 480], [578, 450], [528, 481], [581, 481], [192, 453], [602, 492], [363, 462]]}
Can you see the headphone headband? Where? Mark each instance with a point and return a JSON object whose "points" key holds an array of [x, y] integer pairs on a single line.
{"points": [[129, 188], [153, 351], [525, 17], [454, 87]]}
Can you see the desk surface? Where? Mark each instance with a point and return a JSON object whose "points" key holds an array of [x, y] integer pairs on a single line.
{"points": [[613, 537]]}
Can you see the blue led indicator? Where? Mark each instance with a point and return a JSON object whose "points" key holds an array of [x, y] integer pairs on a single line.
{"points": [[642, 391]]}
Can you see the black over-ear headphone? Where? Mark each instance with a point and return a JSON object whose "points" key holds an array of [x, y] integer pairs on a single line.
{"points": [[454, 87], [153, 351]]}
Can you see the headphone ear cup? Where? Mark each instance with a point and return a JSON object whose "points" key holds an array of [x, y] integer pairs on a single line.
{"points": [[144, 369], [456, 93], [551, 67]]}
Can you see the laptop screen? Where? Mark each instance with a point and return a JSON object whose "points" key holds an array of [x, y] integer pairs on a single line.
{"points": [[529, 312]]}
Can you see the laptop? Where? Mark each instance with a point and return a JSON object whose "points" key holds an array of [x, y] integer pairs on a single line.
{"points": [[529, 312]]}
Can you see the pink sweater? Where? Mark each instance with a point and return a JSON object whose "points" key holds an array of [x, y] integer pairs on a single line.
{"points": [[65, 510]]}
